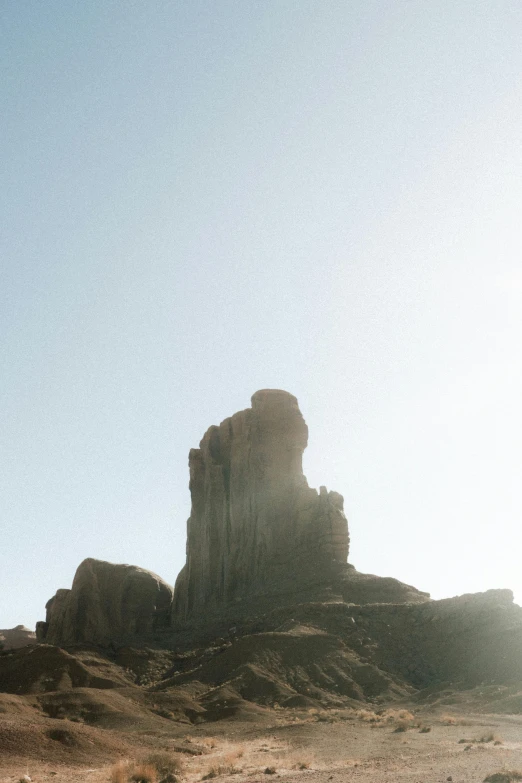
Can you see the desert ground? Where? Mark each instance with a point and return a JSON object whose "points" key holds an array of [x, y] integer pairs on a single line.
{"points": [[403, 743]]}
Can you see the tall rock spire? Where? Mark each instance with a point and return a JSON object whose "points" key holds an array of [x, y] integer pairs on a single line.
{"points": [[256, 527]]}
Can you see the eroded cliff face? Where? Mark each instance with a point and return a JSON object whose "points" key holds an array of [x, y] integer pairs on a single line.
{"points": [[107, 603], [256, 527]]}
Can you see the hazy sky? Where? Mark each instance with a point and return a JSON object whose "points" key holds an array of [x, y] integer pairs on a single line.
{"points": [[202, 199]]}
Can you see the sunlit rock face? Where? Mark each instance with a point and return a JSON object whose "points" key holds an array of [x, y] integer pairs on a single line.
{"points": [[256, 527]]}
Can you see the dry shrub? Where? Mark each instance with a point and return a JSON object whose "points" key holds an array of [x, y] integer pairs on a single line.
{"points": [[164, 764], [157, 766], [144, 773], [221, 769], [424, 729], [121, 772], [270, 771], [492, 737], [504, 776], [448, 720], [208, 742], [453, 720], [403, 719], [323, 717], [301, 761], [368, 716], [396, 715], [484, 740], [234, 755]]}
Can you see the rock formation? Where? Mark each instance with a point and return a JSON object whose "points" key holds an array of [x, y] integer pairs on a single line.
{"points": [[266, 608], [258, 536], [107, 603], [12, 638], [256, 527]]}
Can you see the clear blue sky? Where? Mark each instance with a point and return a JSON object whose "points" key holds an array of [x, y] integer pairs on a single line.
{"points": [[201, 199]]}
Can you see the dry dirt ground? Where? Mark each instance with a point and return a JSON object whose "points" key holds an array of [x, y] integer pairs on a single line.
{"points": [[426, 746]]}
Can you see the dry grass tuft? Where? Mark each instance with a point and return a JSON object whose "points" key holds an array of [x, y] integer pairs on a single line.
{"points": [[165, 764], [368, 716], [301, 765], [484, 740], [144, 773], [297, 760], [221, 769], [492, 737], [402, 719], [208, 742], [229, 758], [448, 720], [156, 766], [453, 720], [121, 772]]}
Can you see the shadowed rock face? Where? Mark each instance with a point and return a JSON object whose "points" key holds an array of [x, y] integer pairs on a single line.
{"points": [[255, 524], [12, 638], [107, 602]]}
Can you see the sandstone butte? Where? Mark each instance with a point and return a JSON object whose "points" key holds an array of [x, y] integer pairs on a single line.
{"points": [[258, 539]]}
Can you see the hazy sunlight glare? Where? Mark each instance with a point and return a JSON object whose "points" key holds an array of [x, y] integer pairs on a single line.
{"points": [[202, 200]]}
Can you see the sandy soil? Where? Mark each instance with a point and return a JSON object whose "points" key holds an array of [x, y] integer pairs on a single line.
{"points": [[337, 746]]}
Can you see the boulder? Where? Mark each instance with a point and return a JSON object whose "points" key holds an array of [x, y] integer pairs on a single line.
{"points": [[107, 604]]}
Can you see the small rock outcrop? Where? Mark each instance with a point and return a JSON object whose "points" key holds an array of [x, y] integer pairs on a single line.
{"points": [[12, 638], [256, 527], [107, 603]]}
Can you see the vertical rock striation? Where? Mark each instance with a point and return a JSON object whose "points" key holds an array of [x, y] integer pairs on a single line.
{"points": [[256, 527]]}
